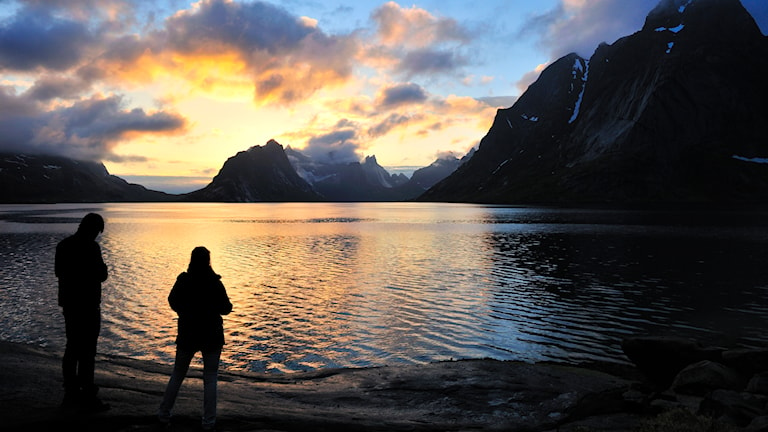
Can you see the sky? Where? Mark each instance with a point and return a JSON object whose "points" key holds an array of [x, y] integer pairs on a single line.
{"points": [[163, 92]]}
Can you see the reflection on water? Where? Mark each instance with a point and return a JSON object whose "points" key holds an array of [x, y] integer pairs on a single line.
{"points": [[341, 285]]}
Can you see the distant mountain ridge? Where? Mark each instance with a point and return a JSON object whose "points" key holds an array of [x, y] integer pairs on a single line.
{"points": [[368, 181], [674, 113], [353, 181], [259, 174], [270, 173], [52, 179]]}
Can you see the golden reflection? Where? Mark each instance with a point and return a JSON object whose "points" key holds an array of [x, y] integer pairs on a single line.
{"points": [[343, 284], [309, 283]]}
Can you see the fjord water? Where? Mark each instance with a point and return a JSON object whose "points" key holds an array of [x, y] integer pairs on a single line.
{"points": [[369, 284]]}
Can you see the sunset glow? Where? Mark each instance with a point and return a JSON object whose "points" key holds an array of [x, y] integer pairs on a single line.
{"points": [[164, 92]]}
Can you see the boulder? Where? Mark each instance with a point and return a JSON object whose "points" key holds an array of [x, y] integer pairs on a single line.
{"points": [[739, 408], [758, 384], [705, 376], [661, 358], [758, 424]]}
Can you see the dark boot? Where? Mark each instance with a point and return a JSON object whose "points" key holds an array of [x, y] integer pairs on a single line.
{"points": [[71, 402], [90, 402]]}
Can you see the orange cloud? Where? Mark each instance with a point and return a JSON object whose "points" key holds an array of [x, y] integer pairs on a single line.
{"points": [[414, 27]]}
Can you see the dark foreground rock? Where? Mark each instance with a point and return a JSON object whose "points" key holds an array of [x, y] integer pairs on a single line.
{"points": [[729, 385], [461, 395], [477, 395]]}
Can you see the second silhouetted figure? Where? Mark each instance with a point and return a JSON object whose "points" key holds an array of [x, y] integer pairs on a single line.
{"points": [[200, 299]]}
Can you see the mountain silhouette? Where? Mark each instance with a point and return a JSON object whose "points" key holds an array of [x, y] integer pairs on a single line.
{"points": [[52, 179], [368, 181], [674, 113], [260, 174]]}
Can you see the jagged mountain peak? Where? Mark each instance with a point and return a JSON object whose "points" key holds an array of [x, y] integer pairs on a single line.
{"points": [[260, 174], [723, 19], [270, 145], [669, 114]]}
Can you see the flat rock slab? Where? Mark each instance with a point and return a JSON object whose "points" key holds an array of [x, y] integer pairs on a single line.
{"points": [[483, 395]]}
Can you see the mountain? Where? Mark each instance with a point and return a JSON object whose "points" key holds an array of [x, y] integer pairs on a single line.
{"points": [[353, 181], [368, 181], [674, 113], [441, 168], [345, 182], [54, 179], [260, 174]]}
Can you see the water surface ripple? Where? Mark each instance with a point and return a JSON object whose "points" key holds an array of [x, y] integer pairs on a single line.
{"points": [[354, 285]]}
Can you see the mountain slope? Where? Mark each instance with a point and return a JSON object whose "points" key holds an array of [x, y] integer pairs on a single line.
{"points": [[674, 113], [347, 182], [367, 181], [56, 179], [260, 174]]}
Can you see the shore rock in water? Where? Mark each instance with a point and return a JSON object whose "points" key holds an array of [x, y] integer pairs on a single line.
{"points": [[702, 377], [661, 358]]}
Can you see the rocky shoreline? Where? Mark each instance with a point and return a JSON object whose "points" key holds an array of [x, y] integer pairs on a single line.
{"points": [[478, 395]]}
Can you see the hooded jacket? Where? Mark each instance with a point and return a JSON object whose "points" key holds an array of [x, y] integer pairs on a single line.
{"points": [[81, 270], [200, 299]]}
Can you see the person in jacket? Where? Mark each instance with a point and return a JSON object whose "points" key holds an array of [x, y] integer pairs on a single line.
{"points": [[200, 299], [80, 269]]}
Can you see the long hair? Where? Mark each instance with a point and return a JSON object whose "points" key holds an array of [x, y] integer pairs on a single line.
{"points": [[200, 261]]}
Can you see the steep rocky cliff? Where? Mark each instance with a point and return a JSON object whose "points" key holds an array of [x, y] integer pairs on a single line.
{"points": [[260, 174], [674, 113]]}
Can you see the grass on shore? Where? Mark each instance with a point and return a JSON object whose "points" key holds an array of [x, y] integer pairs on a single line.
{"points": [[682, 420]]}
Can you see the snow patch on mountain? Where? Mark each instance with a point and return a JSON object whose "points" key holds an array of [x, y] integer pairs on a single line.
{"points": [[580, 65], [753, 160], [530, 118], [674, 30]]}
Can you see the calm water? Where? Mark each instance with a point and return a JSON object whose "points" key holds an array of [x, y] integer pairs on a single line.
{"points": [[349, 285]]}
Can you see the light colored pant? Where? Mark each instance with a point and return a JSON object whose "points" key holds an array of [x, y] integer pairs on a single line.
{"points": [[210, 383]]}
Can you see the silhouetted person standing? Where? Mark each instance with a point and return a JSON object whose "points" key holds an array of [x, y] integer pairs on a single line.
{"points": [[80, 269], [200, 299]]}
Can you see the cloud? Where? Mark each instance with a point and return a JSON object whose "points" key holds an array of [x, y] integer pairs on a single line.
{"points": [[338, 145], [392, 121], [414, 28], [35, 39], [580, 26], [401, 94], [411, 41], [287, 56], [212, 24], [87, 129], [284, 58], [12, 106], [498, 101], [430, 61], [57, 86]]}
